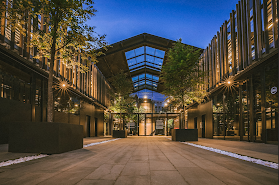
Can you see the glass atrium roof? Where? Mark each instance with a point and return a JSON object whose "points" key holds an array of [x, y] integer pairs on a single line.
{"points": [[142, 59]]}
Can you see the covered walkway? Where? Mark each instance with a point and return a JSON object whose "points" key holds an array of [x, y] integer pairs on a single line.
{"points": [[145, 160]]}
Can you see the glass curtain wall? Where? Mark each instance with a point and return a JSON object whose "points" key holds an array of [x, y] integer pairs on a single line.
{"points": [[257, 106], [226, 116], [271, 102]]}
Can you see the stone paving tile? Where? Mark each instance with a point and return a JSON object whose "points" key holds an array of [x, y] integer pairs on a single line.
{"points": [[66, 178], [262, 178], [136, 169], [96, 182], [196, 175], [138, 160], [133, 180], [167, 178], [28, 179], [231, 177], [160, 165], [106, 171]]}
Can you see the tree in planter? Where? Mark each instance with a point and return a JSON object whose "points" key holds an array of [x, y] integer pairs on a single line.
{"points": [[182, 76], [67, 38], [122, 101]]}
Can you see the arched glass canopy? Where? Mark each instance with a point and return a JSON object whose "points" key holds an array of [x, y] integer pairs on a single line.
{"points": [[145, 64]]}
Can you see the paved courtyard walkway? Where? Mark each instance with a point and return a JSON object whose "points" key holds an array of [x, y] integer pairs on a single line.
{"points": [[139, 160]]}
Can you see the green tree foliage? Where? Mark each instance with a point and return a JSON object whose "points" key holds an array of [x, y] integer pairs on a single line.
{"points": [[122, 102], [66, 35], [17, 14], [182, 76]]}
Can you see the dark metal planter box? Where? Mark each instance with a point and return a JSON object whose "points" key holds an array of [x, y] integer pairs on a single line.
{"points": [[119, 133], [184, 135], [47, 138]]}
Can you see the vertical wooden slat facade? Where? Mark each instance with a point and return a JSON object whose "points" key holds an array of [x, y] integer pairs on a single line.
{"points": [[91, 83], [243, 42], [216, 55]]}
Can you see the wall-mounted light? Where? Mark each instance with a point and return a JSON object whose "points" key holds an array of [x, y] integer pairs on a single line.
{"points": [[63, 85]]}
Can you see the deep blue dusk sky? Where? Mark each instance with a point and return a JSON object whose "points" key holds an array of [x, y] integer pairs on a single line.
{"points": [[195, 21]]}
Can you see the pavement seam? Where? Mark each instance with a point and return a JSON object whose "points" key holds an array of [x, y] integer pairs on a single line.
{"points": [[71, 166], [125, 165], [196, 164], [173, 165], [111, 149]]}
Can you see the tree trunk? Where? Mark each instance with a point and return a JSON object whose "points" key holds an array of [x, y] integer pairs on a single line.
{"points": [[50, 102]]}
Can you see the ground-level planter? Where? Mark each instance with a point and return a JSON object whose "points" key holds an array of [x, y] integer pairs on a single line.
{"points": [[46, 138], [119, 133], [184, 134]]}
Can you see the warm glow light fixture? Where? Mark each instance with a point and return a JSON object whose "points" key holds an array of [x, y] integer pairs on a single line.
{"points": [[145, 97], [62, 86]]}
